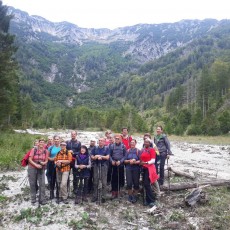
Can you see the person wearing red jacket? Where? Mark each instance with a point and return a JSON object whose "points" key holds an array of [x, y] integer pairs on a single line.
{"points": [[149, 174], [126, 139]]}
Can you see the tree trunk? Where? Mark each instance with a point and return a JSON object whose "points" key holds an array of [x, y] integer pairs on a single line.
{"points": [[182, 173], [188, 185]]}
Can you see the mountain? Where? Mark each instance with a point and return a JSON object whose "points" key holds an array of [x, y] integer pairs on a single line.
{"points": [[145, 41], [64, 60]]}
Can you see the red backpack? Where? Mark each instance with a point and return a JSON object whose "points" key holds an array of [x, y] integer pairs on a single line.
{"points": [[25, 159]]}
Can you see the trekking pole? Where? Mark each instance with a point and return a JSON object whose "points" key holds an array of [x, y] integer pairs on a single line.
{"points": [[143, 187], [58, 182], [99, 184], [118, 185], [23, 181], [40, 185], [82, 189], [168, 176]]}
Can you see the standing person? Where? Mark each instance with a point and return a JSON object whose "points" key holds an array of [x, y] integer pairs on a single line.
{"points": [[163, 146], [149, 175], [153, 145], [75, 146], [108, 134], [36, 172], [82, 165], [62, 162], [100, 157], [51, 171], [117, 157], [49, 142], [92, 145], [109, 174], [126, 139], [132, 161]]}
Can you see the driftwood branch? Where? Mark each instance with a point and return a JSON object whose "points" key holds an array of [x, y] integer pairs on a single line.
{"points": [[182, 173], [188, 185]]}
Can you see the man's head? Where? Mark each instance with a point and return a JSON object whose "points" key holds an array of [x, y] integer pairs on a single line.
{"points": [[74, 135], [125, 131], [101, 142], [159, 130], [92, 142], [117, 138]]}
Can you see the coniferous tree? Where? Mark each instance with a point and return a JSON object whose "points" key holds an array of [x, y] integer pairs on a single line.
{"points": [[9, 83]]}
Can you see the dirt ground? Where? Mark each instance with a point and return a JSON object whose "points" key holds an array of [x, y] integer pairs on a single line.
{"points": [[204, 161]]}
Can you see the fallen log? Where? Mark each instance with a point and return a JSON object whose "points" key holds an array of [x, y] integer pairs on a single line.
{"points": [[182, 173], [188, 185]]}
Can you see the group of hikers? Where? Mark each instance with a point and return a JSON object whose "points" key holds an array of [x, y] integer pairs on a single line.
{"points": [[112, 161]]}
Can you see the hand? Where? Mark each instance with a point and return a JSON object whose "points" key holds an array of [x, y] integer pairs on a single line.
{"points": [[42, 163], [39, 166], [99, 158], [113, 163], [118, 163], [131, 162], [82, 166]]}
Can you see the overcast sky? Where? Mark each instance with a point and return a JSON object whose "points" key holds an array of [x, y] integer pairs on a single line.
{"points": [[118, 13]]}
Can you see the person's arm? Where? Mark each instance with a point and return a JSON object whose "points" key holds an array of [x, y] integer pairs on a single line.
{"points": [[124, 153], [167, 143], [126, 161], [67, 161], [153, 157], [89, 164], [76, 165], [106, 156], [93, 157]]}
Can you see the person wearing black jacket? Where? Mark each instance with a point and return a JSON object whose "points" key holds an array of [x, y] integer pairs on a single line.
{"points": [[75, 146], [163, 146], [117, 157]]}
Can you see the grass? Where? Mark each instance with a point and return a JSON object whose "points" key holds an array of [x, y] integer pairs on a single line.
{"points": [[13, 146], [34, 216]]}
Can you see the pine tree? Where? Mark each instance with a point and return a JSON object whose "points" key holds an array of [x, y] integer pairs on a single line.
{"points": [[9, 83]]}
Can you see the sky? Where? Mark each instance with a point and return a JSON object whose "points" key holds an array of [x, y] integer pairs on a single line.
{"points": [[119, 13]]}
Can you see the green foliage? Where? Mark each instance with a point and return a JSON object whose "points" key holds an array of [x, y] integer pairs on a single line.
{"points": [[32, 215], [13, 146], [9, 91], [84, 223], [83, 117]]}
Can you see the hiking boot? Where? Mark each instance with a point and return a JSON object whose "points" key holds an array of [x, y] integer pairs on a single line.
{"points": [[94, 199], [146, 203], [44, 202], [77, 200], [152, 204], [134, 199], [84, 198], [33, 202], [65, 201], [114, 194], [51, 195], [59, 200], [130, 198]]}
